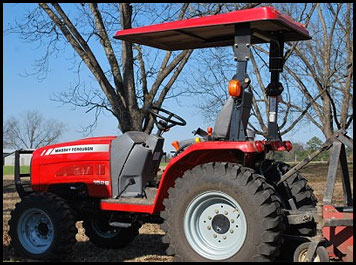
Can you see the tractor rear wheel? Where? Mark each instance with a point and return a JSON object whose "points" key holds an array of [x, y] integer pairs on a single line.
{"points": [[299, 189], [42, 227], [102, 235], [222, 212]]}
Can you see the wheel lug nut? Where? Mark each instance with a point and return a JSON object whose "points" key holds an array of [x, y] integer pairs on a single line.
{"points": [[216, 211], [209, 217], [232, 221], [209, 227], [215, 236], [224, 237], [231, 231], [226, 213]]}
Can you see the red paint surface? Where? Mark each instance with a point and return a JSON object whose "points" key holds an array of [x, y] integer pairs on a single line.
{"points": [[340, 237], [240, 16], [89, 166], [73, 167]]}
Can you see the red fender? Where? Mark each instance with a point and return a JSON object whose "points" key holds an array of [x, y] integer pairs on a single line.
{"points": [[200, 153]]}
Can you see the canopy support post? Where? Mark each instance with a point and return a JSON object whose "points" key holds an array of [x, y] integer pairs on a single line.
{"points": [[242, 105]]}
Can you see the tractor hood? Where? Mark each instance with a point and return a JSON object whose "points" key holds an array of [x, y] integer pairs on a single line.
{"points": [[95, 148], [82, 161]]}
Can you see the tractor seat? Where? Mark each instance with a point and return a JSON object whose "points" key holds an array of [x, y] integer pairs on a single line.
{"points": [[221, 128], [222, 122]]}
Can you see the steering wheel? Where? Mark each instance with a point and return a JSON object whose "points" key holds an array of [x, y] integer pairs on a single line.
{"points": [[165, 122]]}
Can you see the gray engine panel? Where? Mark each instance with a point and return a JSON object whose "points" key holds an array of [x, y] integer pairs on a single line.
{"points": [[135, 158]]}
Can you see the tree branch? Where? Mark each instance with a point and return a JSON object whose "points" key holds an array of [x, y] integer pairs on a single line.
{"points": [[79, 45], [109, 52]]}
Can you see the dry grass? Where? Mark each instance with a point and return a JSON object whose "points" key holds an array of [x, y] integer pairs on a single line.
{"points": [[147, 245], [316, 174]]}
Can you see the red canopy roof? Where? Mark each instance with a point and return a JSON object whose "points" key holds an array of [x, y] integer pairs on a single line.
{"points": [[216, 30]]}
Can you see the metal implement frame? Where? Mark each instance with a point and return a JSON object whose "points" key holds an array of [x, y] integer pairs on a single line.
{"points": [[336, 222], [338, 153]]}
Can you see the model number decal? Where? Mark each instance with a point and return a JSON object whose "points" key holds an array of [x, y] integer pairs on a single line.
{"points": [[101, 182], [77, 149]]}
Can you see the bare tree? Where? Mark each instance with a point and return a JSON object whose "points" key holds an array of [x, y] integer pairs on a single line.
{"points": [[318, 75], [119, 92], [323, 68], [130, 78], [121, 95], [31, 131]]}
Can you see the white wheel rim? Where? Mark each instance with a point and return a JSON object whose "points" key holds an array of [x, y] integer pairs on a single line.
{"points": [[215, 225]]}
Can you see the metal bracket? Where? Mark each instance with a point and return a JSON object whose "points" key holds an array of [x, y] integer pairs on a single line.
{"points": [[242, 42], [301, 217], [242, 52], [311, 250]]}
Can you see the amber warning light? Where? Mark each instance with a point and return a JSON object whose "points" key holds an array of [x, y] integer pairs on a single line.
{"points": [[175, 144], [234, 88]]}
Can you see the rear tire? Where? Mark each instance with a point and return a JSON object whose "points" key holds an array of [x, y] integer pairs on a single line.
{"points": [[42, 227], [222, 212], [300, 190], [102, 235]]}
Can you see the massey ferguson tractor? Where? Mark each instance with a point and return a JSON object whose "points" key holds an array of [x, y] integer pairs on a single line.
{"points": [[218, 199]]}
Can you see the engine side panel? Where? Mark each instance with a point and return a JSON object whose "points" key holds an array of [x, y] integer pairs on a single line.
{"points": [[120, 150], [135, 158], [84, 161]]}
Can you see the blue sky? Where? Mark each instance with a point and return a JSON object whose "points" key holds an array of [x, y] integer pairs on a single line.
{"points": [[21, 94]]}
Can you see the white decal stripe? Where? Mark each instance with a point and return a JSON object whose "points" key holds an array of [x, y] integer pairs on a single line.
{"points": [[81, 149], [48, 151], [43, 152]]}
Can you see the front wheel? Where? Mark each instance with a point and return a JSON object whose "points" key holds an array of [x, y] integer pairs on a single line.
{"points": [[102, 235], [222, 212], [42, 227]]}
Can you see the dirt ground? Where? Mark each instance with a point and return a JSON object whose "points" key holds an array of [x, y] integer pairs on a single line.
{"points": [[147, 246]]}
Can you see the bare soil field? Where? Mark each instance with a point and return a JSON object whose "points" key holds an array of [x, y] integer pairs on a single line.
{"points": [[147, 246]]}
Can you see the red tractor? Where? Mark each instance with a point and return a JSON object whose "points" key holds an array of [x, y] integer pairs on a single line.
{"points": [[219, 198]]}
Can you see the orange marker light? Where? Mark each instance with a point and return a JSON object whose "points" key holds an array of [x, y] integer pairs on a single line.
{"points": [[175, 144], [210, 131], [234, 88]]}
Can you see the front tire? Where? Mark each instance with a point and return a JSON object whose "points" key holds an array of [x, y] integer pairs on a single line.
{"points": [[42, 227], [222, 212], [102, 235]]}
